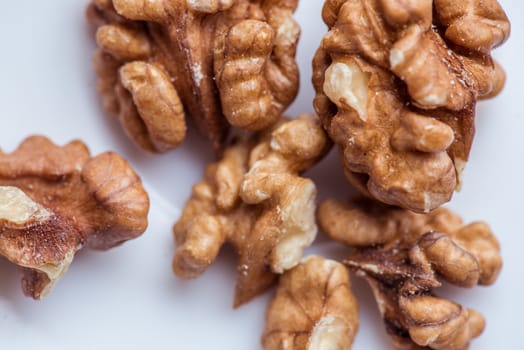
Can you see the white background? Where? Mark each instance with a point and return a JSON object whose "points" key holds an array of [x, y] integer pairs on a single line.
{"points": [[129, 296]]}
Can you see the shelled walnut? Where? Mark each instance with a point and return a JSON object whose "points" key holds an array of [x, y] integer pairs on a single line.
{"points": [[314, 308], [404, 256], [396, 87], [54, 200], [255, 199], [220, 61]]}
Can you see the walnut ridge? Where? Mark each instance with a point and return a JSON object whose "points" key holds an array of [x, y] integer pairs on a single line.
{"points": [[255, 199], [405, 256], [55, 200], [314, 308], [221, 62], [396, 87]]}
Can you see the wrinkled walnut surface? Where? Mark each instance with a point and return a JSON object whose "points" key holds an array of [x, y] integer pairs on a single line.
{"points": [[396, 87], [54, 200], [221, 62], [404, 256], [314, 308], [255, 199]]}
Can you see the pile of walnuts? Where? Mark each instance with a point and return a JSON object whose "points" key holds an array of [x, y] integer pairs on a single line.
{"points": [[396, 85], [396, 81]]}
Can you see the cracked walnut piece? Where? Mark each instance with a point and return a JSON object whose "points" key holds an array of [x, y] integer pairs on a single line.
{"points": [[314, 308], [220, 61], [255, 199], [54, 200], [404, 255], [396, 85]]}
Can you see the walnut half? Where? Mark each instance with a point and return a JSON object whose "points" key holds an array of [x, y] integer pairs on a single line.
{"points": [[404, 256], [314, 308], [222, 62], [255, 199], [54, 200], [396, 88]]}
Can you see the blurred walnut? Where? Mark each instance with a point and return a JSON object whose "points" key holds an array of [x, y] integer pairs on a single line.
{"points": [[314, 308], [212, 59], [404, 255], [397, 83], [255, 199], [54, 200]]}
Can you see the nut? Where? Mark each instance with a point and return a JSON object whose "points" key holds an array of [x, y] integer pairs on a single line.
{"points": [[220, 61], [54, 200], [404, 256], [255, 199], [314, 308], [396, 87]]}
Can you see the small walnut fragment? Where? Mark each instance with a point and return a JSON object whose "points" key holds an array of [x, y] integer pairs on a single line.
{"points": [[396, 87], [255, 199], [404, 256], [314, 308], [222, 62], [54, 200]]}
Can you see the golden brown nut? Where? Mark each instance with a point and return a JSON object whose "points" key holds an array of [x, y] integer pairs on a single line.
{"points": [[220, 61], [54, 200], [396, 87], [404, 255], [314, 308], [255, 199]]}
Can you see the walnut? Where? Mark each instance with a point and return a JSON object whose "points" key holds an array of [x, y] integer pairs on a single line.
{"points": [[220, 61], [54, 200], [255, 199], [314, 308], [404, 256], [396, 87]]}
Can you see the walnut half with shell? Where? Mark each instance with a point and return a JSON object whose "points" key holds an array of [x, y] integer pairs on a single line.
{"points": [[396, 85], [55, 200], [221, 62], [255, 199]]}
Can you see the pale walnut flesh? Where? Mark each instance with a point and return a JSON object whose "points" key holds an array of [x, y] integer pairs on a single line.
{"points": [[314, 308], [396, 88], [55, 200], [255, 199], [222, 62], [405, 256], [17, 213]]}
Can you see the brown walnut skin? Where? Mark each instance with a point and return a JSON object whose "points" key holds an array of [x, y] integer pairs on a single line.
{"points": [[314, 308], [223, 63], [396, 88], [404, 256], [97, 201], [255, 199]]}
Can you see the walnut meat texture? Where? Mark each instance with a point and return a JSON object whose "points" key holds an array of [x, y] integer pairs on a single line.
{"points": [[55, 200], [255, 199], [396, 85], [314, 308], [404, 256], [223, 62]]}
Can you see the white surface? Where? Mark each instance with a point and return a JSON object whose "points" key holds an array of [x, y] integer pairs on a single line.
{"points": [[129, 296]]}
